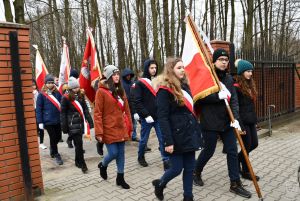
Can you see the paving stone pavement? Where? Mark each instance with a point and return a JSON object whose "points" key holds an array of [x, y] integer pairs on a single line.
{"points": [[276, 161]]}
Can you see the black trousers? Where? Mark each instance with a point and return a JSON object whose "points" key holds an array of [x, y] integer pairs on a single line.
{"points": [[54, 132], [250, 141], [79, 157]]}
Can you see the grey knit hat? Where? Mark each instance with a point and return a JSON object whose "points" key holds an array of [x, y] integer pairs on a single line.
{"points": [[73, 83], [49, 78], [109, 71]]}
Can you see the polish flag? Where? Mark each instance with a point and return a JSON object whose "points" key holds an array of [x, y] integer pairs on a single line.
{"points": [[65, 68], [90, 68], [202, 81], [40, 69]]}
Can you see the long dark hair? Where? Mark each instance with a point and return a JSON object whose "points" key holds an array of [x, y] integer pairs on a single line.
{"points": [[247, 87], [116, 89]]}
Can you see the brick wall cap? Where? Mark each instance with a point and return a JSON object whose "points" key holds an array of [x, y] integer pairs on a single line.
{"points": [[13, 25]]}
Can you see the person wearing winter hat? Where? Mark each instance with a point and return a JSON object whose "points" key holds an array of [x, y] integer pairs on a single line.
{"points": [[48, 114], [215, 122], [247, 93], [74, 73], [72, 121], [145, 106], [113, 124]]}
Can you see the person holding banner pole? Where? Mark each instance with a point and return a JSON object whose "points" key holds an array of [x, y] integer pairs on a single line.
{"points": [[215, 122], [48, 115], [113, 124], [76, 119], [180, 129]]}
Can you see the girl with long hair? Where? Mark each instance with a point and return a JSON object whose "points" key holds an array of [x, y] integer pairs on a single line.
{"points": [[180, 129], [112, 122], [75, 119], [247, 94]]}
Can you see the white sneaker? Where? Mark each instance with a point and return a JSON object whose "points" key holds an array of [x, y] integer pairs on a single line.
{"points": [[42, 146]]}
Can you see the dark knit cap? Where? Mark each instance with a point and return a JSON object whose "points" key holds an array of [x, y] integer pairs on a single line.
{"points": [[218, 53], [242, 66], [74, 73], [49, 78]]}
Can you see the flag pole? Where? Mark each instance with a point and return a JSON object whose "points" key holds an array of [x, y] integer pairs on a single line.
{"points": [[204, 50]]}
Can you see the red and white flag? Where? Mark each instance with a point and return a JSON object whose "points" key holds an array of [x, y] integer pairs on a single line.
{"points": [[40, 69], [65, 68], [202, 80], [90, 69]]}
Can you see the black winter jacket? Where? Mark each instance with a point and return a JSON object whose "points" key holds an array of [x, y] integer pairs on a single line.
{"points": [[213, 113], [246, 108], [144, 100], [178, 125], [71, 121]]}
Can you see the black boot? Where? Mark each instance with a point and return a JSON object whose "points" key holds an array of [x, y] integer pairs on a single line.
{"points": [[84, 168], [237, 188], [186, 198], [197, 179], [58, 159], [247, 175], [158, 189], [103, 171], [121, 182], [142, 161]]}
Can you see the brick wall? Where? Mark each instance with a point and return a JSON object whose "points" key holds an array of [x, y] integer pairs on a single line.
{"points": [[11, 178], [297, 87]]}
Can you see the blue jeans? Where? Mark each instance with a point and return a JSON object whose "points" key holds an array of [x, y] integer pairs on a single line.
{"points": [[133, 135], [185, 161], [145, 132], [115, 151], [230, 147]]}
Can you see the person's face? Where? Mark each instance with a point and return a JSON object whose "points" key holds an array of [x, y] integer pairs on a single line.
{"points": [[50, 84], [33, 86], [152, 69], [222, 63], [116, 77], [56, 81], [247, 74], [128, 77], [179, 70], [76, 90]]}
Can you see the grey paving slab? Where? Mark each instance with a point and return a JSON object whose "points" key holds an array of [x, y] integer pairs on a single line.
{"points": [[276, 161]]}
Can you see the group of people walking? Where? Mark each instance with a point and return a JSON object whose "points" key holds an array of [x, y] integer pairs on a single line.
{"points": [[165, 103]]}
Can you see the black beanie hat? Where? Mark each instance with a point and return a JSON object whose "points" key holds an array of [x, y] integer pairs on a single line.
{"points": [[218, 53], [74, 73]]}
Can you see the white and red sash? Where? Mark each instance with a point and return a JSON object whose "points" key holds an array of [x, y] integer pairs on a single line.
{"points": [[148, 84], [87, 130], [53, 100], [188, 100], [121, 104]]}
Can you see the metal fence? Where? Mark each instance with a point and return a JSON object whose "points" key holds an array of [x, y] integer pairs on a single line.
{"points": [[275, 80]]}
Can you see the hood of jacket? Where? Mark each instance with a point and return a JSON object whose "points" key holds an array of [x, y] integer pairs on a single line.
{"points": [[126, 72], [147, 64]]}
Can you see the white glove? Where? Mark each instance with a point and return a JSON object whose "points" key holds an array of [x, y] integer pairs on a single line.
{"points": [[236, 125], [41, 126], [149, 119], [224, 88], [222, 95], [136, 116]]}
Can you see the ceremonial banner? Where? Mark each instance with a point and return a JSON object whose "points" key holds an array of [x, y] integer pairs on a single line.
{"points": [[90, 69], [65, 67], [40, 69], [197, 68]]}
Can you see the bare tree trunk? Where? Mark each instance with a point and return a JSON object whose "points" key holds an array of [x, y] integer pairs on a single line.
{"points": [[172, 27], [183, 6], [161, 34], [118, 19], [19, 11], [282, 30], [142, 15], [130, 48], [156, 49], [166, 28], [52, 39], [262, 31], [8, 13], [270, 25], [94, 11], [212, 5], [232, 21]]}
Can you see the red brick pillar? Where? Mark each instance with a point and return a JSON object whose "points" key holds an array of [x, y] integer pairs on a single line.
{"points": [[297, 87], [11, 177]]}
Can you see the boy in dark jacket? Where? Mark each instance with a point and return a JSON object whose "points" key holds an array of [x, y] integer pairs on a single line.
{"points": [[215, 122], [145, 105]]}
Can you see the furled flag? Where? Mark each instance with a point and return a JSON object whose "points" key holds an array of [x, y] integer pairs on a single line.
{"points": [[197, 65], [40, 69], [65, 68], [90, 69]]}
